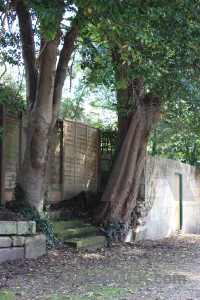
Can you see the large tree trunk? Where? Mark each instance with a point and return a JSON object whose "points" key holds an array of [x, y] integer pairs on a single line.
{"points": [[124, 101], [32, 175], [137, 113], [122, 189], [43, 96], [41, 120]]}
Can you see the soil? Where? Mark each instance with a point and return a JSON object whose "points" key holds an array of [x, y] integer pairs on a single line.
{"points": [[164, 269], [8, 215], [82, 205]]}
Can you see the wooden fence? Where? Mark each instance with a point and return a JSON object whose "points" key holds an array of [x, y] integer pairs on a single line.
{"points": [[73, 162]]}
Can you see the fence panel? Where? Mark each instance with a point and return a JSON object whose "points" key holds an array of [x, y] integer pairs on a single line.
{"points": [[81, 158], [11, 154], [73, 161]]}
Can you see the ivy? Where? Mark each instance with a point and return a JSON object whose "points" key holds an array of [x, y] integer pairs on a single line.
{"points": [[21, 205], [115, 231]]}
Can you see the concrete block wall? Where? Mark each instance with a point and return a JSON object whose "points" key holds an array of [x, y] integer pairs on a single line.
{"points": [[157, 188], [20, 240]]}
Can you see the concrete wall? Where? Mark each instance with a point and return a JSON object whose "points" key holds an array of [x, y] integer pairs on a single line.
{"points": [[157, 190]]}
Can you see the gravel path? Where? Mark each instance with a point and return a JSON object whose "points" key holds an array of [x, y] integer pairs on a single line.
{"points": [[164, 269]]}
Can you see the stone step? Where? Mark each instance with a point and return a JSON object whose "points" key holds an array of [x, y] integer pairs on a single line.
{"points": [[75, 232], [87, 242], [60, 225]]}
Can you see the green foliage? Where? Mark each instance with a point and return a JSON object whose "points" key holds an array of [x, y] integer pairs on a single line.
{"points": [[114, 230], [21, 205], [49, 16], [108, 140], [155, 44], [101, 106], [7, 295], [96, 119], [10, 97], [71, 109], [10, 38], [177, 133], [19, 197], [47, 202]]}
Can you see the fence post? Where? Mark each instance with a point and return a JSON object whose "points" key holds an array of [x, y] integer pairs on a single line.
{"points": [[62, 153], [98, 160], [86, 159], [20, 139], [2, 154], [75, 145]]}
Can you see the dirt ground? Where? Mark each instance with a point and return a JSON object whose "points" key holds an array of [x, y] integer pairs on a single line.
{"points": [[164, 269], [8, 215]]}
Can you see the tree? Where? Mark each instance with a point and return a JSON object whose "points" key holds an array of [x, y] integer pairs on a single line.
{"points": [[176, 135], [44, 83], [152, 54]]}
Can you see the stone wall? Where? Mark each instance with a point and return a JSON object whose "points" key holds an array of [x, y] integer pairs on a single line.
{"points": [[157, 203], [20, 240]]}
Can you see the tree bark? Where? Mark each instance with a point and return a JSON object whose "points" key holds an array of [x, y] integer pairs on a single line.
{"points": [[32, 175], [137, 113], [122, 189], [28, 51], [154, 146]]}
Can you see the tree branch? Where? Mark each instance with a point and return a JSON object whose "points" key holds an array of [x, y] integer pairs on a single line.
{"points": [[65, 56], [28, 50], [4, 18], [5, 68], [3, 23]]}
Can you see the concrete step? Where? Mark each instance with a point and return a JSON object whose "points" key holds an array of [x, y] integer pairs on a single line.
{"points": [[60, 225], [75, 233], [88, 242], [66, 234]]}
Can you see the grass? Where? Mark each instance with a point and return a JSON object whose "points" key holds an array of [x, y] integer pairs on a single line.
{"points": [[103, 293], [7, 295]]}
